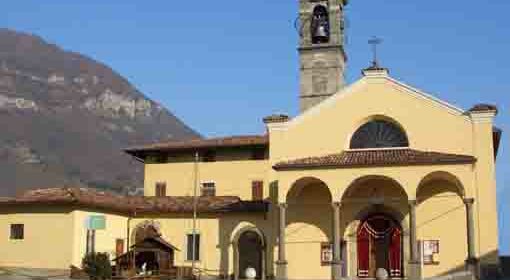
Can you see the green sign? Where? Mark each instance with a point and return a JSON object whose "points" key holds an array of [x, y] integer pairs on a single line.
{"points": [[96, 222]]}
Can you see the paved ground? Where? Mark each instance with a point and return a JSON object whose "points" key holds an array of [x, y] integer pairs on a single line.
{"points": [[32, 274]]}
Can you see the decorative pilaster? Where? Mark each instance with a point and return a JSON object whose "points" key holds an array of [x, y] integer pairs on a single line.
{"points": [[281, 269], [471, 261], [336, 265]]}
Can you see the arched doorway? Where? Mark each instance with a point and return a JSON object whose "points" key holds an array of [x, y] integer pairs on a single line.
{"points": [[250, 253], [379, 240]]}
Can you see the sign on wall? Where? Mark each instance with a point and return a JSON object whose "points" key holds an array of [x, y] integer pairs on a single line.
{"points": [[430, 251], [326, 253], [95, 222]]}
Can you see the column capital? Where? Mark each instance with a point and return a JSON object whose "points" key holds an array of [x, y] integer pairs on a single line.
{"points": [[469, 201], [283, 205], [412, 202]]}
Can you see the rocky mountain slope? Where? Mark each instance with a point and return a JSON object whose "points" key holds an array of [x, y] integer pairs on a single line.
{"points": [[65, 118]]}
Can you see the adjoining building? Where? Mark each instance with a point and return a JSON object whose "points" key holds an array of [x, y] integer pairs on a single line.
{"points": [[372, 175]]}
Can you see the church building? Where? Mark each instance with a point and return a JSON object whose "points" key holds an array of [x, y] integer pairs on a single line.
{"points": [[371, 178]]}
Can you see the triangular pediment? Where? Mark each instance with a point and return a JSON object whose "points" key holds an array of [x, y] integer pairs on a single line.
{"points": [[381, 78], [430, 124]]}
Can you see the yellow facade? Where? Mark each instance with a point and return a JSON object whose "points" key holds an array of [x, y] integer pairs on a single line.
{"points": [[430, 124], [234, 177], [48, 239], [54, 238], [440, 191]]}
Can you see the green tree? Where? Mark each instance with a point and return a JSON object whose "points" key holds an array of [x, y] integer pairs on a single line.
{"points": [[97, 266]]}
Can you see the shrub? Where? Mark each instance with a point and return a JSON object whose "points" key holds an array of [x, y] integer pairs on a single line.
{"points": [[97, 266]]}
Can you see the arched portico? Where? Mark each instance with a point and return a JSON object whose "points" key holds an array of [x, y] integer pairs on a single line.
{"points": [[355, 194]]}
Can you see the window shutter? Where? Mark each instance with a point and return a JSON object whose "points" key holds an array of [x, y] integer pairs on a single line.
{"points": [[197, 247], [257, 190], [189, 251], [17, 231], [161, 189], [119, 247], [208, 189]]}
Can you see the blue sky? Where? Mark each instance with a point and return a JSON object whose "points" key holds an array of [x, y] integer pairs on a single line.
{"points": [[223, 65]]}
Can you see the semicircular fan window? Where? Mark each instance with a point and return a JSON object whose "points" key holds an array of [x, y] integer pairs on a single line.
{"points": [[379, 134]]}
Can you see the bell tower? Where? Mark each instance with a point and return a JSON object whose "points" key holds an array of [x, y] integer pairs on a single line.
{"points": [[321, 50]]}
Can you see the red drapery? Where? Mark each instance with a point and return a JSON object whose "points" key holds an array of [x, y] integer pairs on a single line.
{"points": [[363, 252], [377, 228], [395, 253]]}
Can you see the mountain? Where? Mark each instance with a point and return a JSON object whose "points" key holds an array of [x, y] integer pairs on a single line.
{"points": [[65, 119]]}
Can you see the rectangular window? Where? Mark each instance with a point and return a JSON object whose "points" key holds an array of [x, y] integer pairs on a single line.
{"points": [[326, 253], [208, 189], [17, 231], [257, 190], [193, 251], [430, 252], [160, 189]]}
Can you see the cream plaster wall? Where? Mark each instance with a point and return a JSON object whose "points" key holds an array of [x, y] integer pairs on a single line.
{"points": [[231, 178], [116, 227], [442, 216], [54, 237], [48, 240]]}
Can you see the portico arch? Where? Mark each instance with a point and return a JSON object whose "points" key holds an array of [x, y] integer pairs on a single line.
{"points": [[375, 199], [442, 218], [308, 227], [375, 187], [309, 190], [446, 181]]}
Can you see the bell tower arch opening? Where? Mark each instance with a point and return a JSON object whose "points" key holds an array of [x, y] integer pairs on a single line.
{"points": [[320, 25], [321, 50]]}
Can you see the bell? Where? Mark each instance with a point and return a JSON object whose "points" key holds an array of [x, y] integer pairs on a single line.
{"points": [[321, 35]]}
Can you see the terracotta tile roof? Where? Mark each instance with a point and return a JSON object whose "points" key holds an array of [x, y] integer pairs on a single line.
{"points": [[89, 198], [369, 158], [221, 142]]}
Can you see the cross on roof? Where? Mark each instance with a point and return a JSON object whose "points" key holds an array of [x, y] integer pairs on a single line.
{"points": [[375, 41]]}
